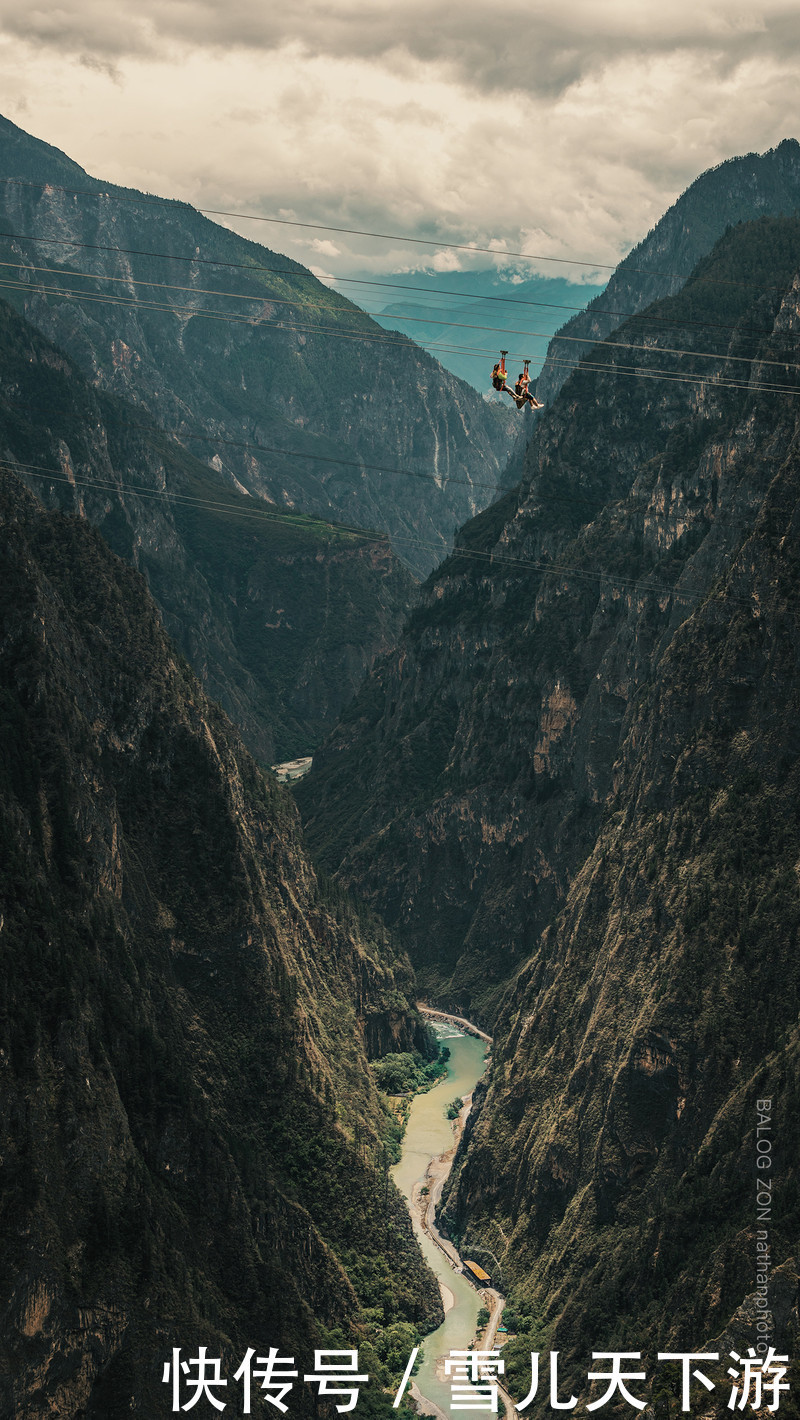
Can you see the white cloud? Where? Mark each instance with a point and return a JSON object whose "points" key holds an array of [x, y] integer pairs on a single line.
{"points": [[561, 132]]}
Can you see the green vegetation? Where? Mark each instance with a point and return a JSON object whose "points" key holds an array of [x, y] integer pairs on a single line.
{"points": [[464, 755], [455, 1107], [272, 395], [608, 814], [409, 1073]]}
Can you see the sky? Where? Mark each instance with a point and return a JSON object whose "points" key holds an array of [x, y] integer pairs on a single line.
{"points": [[563, 130]]}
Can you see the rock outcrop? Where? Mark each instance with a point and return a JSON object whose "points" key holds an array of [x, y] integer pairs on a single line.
{"points": [[573, 792], [468, 781]]}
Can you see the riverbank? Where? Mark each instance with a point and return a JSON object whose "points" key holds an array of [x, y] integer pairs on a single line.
{"points": [[429, 1148]]}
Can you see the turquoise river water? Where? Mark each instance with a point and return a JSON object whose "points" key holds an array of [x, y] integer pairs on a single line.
{"points": [[429, 1133]]}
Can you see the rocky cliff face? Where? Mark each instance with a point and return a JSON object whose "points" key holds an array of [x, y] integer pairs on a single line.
{"points": [[585, 750], [279, 615], [190, 1138], [467, 783], [739, 190], [616, 1169], [279, 361]]}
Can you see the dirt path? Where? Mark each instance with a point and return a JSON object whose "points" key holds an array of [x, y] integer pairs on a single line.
{"points": [[461, 1021]]}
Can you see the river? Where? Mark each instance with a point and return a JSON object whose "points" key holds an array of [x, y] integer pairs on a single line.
{"points": [[429, 1133]]}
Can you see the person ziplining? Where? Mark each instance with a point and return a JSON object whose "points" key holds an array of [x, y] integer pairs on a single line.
{"points": [[520, 394]]}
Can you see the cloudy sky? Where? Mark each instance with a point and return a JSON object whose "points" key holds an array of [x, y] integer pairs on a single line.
{"points": [[563, 130]]}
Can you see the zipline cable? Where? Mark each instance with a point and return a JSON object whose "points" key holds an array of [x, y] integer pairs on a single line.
{"points": [[301, 271], [635, 586], [384, 338], [155, 433], [143, 200], [303, 305]]}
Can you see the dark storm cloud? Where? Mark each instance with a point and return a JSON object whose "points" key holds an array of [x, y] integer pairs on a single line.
{"points": [[544, 49], [563, 131]]}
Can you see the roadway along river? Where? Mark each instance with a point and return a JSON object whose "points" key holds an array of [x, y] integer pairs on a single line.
{"points": [[429, 1136]]}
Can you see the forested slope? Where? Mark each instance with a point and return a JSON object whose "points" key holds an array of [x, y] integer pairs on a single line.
{"points": [[468, 781], [573, 792]]}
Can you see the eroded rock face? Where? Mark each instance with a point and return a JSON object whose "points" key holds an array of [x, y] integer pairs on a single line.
{"points": [[615, 1166], [588, 753], [190, 1137]]}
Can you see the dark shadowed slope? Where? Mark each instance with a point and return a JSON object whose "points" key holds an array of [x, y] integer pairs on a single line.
{"points": [[739, 190], [618, 1171], [574, 792], [191, 1142], [280, 615]]}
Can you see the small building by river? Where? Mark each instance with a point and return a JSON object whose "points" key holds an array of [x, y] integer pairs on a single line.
{"points": [[477, 1275]]}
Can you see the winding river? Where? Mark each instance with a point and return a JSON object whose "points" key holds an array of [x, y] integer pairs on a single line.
{"points": [[429, 1135]]}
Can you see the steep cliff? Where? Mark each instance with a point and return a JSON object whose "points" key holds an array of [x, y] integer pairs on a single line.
{"points": [[618, 1170], [578, 778], [279, 615], [739, 190], [467, 782], [279, 361], [191, 1142]]}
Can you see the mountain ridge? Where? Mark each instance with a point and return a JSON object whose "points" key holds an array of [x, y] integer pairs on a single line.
{"points": [[584, 755], [279, 615], [468, 755], [738, 189], [268, 374]]}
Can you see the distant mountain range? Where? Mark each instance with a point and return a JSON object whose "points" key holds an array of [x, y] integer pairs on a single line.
{"points": [[501, 309]]}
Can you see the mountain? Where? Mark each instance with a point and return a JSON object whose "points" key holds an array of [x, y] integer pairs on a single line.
{"points": [[466, 783], [572, 792], [193, 1151], [739, 190], [285, 388], [280, 615]]}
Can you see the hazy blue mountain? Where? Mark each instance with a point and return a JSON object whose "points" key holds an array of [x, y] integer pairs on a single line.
{"points": [[525, 310]]}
